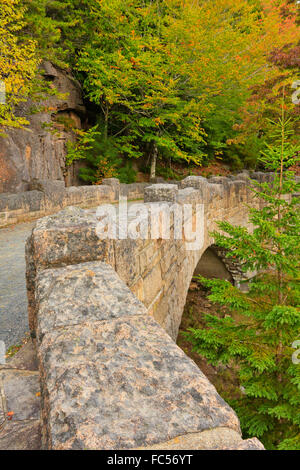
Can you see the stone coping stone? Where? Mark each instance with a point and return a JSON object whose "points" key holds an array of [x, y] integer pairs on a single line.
{"points": [[196, 182], [116, 381], [161, 192], [244, 176], [68, 237], [124, 384], [70, 216], [74, 294], [111, 181], [219, 180], [213, 439], [248, 444], [30, 200]]}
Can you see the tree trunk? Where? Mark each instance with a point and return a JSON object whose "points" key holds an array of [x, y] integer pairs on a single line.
{"points": [[105, 133], [153, 162]]}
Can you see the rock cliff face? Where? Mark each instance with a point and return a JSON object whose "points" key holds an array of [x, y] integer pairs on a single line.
{"points": [[35, 152]]}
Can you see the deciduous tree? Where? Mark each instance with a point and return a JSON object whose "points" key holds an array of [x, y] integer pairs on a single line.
{"points": [[18, 62]]}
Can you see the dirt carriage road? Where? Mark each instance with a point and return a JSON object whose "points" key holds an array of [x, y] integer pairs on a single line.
{"points": [[13, 300]]}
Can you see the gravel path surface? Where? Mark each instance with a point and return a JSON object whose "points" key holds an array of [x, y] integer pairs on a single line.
{"points": [[13, 299]]}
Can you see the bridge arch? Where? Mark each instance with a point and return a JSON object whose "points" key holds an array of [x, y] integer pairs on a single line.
{"points": [[212, 266]]}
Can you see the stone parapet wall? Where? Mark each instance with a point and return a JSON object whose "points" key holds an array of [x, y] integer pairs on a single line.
{"points": [[105, 314], [111, 378], [48, 197]]}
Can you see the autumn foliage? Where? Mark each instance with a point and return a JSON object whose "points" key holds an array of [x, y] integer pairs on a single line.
{"points": [[170, 79], [18, 62]]}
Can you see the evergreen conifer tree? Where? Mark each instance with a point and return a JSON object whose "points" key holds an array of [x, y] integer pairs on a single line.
{"points": [[262, 326]]}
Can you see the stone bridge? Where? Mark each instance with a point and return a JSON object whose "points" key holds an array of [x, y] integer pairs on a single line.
{"points": [[158, 271], [105, 314]]}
